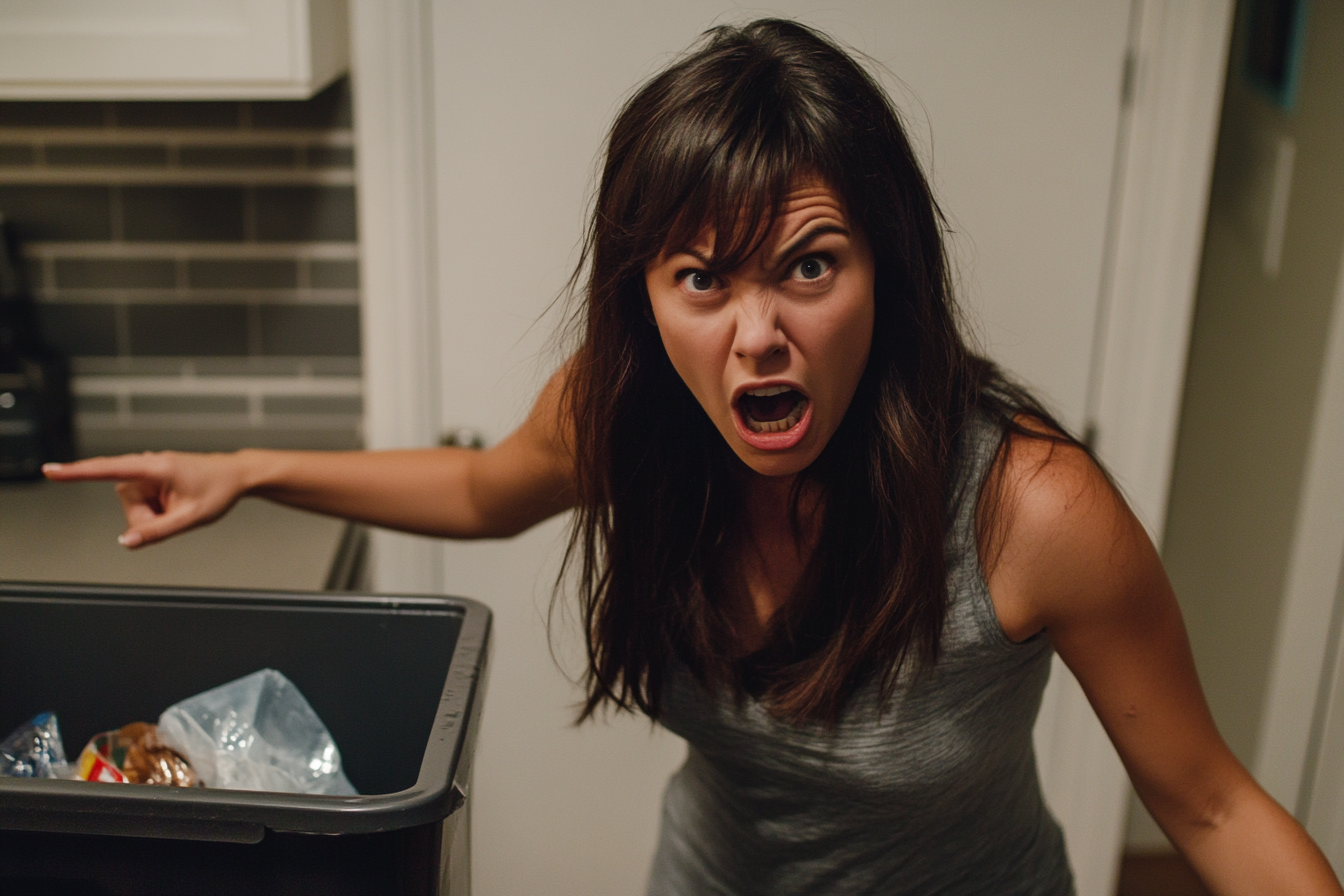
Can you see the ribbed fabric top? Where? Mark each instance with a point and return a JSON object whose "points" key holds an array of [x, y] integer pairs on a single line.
{"points": [[936, 794]]}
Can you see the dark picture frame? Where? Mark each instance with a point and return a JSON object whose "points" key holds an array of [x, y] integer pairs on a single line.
{"points": [[1271, 50]]}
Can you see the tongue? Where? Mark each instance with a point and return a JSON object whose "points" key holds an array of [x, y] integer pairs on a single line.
{"points": [[770, 408]]}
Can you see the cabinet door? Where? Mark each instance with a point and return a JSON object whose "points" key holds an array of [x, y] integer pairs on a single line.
{"points": [[168, 49]]}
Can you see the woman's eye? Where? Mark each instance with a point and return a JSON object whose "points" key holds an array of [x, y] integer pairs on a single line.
{"points": [[700, 281], [810, 268]]}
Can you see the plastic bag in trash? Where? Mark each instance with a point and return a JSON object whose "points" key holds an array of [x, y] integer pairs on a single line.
{"points": [[256, 733], [34, 750]]}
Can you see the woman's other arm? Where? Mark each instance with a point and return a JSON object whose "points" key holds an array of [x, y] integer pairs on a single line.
{"points": [[1074, 561], [451, 492]]}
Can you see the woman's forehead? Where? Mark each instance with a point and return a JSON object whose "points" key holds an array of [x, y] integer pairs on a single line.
{"points": [[808, 200]]}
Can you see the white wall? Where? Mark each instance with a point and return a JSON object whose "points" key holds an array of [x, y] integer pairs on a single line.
{"points": [[1015, 108]]}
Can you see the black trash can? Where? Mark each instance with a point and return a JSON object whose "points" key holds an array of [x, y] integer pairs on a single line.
{"points": [[398, 680]]}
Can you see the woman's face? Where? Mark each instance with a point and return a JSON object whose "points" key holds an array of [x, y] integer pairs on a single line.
{"points": [[773, 350]]}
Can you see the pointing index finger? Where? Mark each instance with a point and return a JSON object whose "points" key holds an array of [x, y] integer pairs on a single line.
{"points": [[126, 466]]}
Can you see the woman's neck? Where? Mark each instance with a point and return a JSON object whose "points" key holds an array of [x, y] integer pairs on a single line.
{"points": [[771, 553]]}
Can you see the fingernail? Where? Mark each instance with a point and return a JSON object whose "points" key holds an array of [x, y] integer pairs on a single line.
{"points": [[129, 539], [51, 466]]}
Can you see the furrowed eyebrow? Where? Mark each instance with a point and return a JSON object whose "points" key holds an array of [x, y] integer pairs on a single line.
{"points": [[687, 250], [797, 245], [808, 238]]}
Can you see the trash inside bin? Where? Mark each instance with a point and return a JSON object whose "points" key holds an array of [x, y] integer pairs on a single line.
{"points": [[398, 680]]}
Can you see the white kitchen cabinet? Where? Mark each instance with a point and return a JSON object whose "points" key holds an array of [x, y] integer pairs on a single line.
{"points": [[170, 49]]}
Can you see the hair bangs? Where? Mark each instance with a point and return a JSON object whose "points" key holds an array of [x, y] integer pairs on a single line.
{"points": [[718, 167]]}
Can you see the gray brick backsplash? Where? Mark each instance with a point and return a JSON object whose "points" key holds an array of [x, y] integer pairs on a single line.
{"points": [[329, 110], [310, 330], [57, 211], [184, 330], [115, 273], [305, 214], [51, 115], [351, 405], [181, 248], [338, 274], [95, 404], [94, 441], [238, 156], [91, 366], [34, 274], [16, 154], [200, 366], [188, 404], [320, 365], [322, 156], [80, 329], [183, 214], [266, 273], [102, 155], [177, 115], [278, 366]]}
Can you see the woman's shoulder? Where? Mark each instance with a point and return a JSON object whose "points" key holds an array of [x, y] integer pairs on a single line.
{"points": [[1049, 520]]}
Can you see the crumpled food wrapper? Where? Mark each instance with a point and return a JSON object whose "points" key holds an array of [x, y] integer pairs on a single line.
{"points": [[135, 754]]}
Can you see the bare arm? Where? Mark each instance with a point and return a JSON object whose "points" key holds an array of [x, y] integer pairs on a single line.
{"points": [[1075, 562], [451, 492]]}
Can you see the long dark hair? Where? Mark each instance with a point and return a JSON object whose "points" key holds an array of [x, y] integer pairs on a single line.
{"points": [[718, 139]]}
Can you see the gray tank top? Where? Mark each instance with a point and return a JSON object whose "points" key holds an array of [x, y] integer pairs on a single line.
{"points": [[937, 794]]}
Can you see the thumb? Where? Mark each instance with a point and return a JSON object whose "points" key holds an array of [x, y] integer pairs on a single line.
{"points": [[156, 527]]}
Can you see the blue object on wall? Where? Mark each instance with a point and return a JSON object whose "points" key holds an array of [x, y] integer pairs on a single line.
{"points": [[1272, 47]]}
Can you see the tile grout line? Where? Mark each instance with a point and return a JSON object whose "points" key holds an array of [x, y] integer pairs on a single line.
{"points": [[327, 251], [168, 384], [195, 136], [46, 175], [110, 295]]}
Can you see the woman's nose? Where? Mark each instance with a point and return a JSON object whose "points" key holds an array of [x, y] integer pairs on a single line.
{"points": [[760, 334]]}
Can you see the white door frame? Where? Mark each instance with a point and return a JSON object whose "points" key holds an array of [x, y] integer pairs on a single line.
{"points": [[1291, 728], [393, 91], [1164, 164]]}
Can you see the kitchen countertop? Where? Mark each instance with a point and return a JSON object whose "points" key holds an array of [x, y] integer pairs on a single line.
{"points": [[66, 532]]}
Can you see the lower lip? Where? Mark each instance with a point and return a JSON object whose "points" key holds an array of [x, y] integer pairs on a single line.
{"points": [[774, 441]]}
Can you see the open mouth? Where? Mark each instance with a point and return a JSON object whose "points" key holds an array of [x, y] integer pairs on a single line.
{"points": [[772, 408]]}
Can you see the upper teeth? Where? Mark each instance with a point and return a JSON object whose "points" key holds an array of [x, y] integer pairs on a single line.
{"points": [[768, 391]]}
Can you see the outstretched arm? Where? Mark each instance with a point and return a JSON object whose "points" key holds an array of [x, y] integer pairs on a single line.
{"points": [[1073, 560], [452, 492]]}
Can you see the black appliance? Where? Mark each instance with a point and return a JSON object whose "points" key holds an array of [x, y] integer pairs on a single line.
{"points": [[35, 412]]}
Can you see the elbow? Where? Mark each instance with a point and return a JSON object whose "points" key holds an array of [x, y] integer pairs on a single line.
{"points": [[1208, 818], [488, 527], [1201, 813], [490, 532]]}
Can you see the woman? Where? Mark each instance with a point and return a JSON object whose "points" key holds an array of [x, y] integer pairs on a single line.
{"points": [[815, 535]]}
